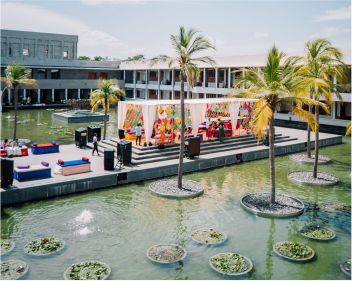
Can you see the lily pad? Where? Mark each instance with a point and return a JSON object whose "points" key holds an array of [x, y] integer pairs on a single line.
{"points": [[166, 253], [346, 267], [13, 269], [208, 236], [316, 232], [231, 264], [44, 246], [6, 246], [88, 270], [294, 251]]}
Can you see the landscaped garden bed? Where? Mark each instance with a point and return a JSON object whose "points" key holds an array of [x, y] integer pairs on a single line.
{"points": [[294, 251], [284, 206], [208, 236], [13, 269], [169, 188], [44, 246], [306, 178], [316, 232], [88, 270], [166, 253], [346, 267], [6, 246], [231, 264]]}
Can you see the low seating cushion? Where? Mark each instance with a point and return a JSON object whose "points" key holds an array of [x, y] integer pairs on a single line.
{"points": [[32, 173]]}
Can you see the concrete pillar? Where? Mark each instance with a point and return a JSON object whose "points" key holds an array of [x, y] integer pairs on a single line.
{"points": [[204, 95], [79, 94], [333, 110], [134, 84], [25, 94], [38, 95], [158, 84], [53, 95], [124, 75], [173, 84], [334, 82], [204, 77], [9, 95], [216, 77], [229, 78], [146, 94], [66, 94]]}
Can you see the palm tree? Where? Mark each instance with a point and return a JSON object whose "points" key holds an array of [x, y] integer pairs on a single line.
{"points": [[107, 94], [187, 44], [279, 82], [322, 61], [16, 77]]}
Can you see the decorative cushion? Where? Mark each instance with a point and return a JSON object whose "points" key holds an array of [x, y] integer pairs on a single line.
{"points": [[46, 164], [60, 161], [23, 167], [85, 158]]}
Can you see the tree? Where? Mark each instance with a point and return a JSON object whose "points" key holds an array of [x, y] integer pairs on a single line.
{"points": [[321, 62], [16, 77], [187, 45], [136, 58], [107, 94], [84, 58], [280, 81], [98, 58]]}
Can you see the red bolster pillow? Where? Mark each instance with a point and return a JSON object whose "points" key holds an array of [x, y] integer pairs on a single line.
{"points": [[85, 158], [60, 161]]}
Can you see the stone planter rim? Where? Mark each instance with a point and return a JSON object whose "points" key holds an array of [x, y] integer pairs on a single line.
{"points": [[310, 183], [344, 270], [102, 263], [293, 259], [45, 254], [25, 265], [173, 196], [166, 262], [210, 244], [267, 215], [320, 162], [13, 245], [319, 239], [249, 262]]}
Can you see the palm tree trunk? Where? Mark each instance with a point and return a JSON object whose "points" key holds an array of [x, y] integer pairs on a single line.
{"points": [[309, 155], [105, 117], [316, 152], [182, 143], [15, 108], [272, 159]]}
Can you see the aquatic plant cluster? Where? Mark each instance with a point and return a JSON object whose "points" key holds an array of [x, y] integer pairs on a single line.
{"points": [[13, 269], [166, 253], [229, 263], [44, 246], [88, 270], [317, 233], [6, 246], [293, 250], [208, 236]]}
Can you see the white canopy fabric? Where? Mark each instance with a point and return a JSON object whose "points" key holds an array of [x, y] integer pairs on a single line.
{"points": [[197, 107]]}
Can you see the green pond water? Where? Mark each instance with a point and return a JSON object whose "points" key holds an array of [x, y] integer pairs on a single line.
{"points": [[118, 225]]}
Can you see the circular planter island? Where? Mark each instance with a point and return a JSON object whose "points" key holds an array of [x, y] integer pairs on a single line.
{"points": [[166, 253], [346, 267], [306, 178], [294, 251], [13, 269], [208, 236], [303, 158], [315, 232], [169, 188], [284, 207], [88, 270], [44, 246], [6, 246], [231, 264]]}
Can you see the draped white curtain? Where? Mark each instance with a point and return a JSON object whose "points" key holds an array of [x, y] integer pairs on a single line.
{"points": [[149, 112], [234, 110], [122, 110], [197, 112]]}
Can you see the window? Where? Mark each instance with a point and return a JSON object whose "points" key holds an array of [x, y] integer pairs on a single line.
{"points": [[46, 52], [103, 75], [65, 54], [92, 75], [10, 51], [55, 74], [25, 52]]}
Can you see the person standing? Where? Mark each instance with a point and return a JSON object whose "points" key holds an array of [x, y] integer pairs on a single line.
{"points": [[139, 134], [95, 144], [221, 131]]}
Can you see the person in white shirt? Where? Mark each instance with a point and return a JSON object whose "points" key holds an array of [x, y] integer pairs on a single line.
{"points": [[95, 144], [139, 133]]}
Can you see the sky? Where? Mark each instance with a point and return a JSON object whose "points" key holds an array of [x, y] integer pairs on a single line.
{"points": [[122, 28]]}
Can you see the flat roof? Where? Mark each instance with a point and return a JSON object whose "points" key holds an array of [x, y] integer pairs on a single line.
{"points": [[187, 101]]}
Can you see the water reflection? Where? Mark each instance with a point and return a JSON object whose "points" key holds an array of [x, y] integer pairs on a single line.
{"points": [[269, 251]]}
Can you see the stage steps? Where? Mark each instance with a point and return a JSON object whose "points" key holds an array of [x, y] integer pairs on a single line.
{"points": [[152, 154]]}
